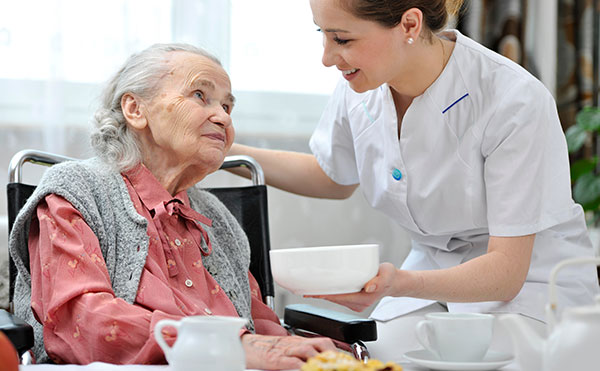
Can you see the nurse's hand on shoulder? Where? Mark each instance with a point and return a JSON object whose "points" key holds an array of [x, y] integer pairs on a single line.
{"points": [[378, 287], [281, 352]]}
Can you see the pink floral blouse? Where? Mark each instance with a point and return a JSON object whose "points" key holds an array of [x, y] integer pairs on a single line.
{"points": [[72, 294]]}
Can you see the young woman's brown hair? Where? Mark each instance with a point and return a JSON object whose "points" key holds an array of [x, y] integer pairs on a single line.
{"points": [[388, 13]]}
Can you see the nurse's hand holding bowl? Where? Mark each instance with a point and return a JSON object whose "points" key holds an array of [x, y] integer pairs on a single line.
{"points": [[461, 147]]}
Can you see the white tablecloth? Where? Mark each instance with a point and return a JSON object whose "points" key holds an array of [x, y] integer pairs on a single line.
{"points": [[98, 366]]}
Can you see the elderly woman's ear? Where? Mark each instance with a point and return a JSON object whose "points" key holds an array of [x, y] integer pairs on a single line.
{"points": [[131, 106]]}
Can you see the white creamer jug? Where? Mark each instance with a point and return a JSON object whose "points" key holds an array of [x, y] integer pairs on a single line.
{"points": [[204, 343]]}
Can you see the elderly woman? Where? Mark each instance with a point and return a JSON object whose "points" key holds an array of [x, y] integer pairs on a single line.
{"points": [[107, 247]]}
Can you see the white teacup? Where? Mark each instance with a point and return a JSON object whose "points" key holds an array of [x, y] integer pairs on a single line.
{"points": [[456, 337]]}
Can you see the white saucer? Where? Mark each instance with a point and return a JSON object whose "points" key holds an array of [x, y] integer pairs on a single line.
{"points": [[491, 361]]}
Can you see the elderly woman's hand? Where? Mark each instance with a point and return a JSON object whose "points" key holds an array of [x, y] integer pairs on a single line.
{"points": [[379, 286], [281, 352]]}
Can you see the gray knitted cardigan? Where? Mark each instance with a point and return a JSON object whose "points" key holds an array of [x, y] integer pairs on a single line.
{"points": [[101, 196]]}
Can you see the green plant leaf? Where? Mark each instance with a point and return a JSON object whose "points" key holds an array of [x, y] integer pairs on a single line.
{"points": [[576, 136], [583, 166], [587, 191], [588, 118]]}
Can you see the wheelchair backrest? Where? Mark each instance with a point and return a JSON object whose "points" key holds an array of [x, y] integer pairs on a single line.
{"points": [[247, 204]]}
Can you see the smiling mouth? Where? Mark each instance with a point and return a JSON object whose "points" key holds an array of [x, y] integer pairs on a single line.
{"points": [[216, 136], [350, 72]]}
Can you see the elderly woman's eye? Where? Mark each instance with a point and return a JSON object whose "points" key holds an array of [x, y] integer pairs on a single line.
{"points": [[199, 94]]}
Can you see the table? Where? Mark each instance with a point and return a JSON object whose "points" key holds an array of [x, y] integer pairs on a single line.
{"points": [[98, 366]]}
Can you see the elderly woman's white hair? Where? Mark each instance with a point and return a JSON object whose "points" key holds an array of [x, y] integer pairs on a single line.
{"points": [[111, 139]]}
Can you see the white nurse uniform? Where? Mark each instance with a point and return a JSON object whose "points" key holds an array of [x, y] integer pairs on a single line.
{"points": [[481, 153]]}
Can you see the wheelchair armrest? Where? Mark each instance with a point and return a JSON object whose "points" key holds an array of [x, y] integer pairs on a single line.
{"points": [[19, 332], [335, 325]]}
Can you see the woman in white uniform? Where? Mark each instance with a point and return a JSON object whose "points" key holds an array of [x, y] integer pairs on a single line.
{"points": [[461, 147]]}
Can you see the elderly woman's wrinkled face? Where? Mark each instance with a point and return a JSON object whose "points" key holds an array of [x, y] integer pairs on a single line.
{"points": [[189, 117]]}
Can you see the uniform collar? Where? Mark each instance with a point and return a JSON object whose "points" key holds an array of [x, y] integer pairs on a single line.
{"points": [[449, 90]]}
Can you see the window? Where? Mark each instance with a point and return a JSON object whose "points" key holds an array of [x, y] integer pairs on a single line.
{"points": [[275, 46], [76, 41], [53, 60], [276, 69]]}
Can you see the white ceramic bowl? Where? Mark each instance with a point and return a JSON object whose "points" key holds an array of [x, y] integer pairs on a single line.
{"points": [[325, 269]]}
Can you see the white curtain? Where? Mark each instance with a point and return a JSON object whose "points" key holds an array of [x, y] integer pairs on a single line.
{"points": [[522, 30]]}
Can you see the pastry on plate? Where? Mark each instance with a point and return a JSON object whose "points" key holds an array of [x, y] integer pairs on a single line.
{"points": [[338, 361]]}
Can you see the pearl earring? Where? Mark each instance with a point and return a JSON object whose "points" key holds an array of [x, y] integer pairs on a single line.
{"points": [[410, 40]]}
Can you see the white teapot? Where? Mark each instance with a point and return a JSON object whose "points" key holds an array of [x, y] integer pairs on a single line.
{"points": [[572, 344], [204, 343]]}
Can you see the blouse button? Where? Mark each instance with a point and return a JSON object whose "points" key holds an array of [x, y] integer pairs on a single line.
{"points": [[177, 242], [397, 174], [207, 311], [189, 283]]}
